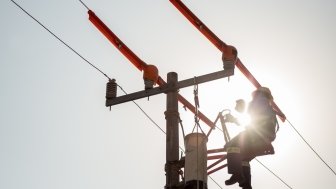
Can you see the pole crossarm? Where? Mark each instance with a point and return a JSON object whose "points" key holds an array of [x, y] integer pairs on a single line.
{"points": [[205, 78], [166, 87]]}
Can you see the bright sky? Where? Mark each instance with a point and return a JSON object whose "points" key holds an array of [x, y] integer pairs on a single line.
{"points": [[55, 131]]}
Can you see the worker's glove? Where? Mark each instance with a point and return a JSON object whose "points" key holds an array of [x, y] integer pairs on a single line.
{"points": [[229, 118]]}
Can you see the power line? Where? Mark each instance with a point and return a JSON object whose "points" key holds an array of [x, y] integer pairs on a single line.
{"points": [[84, 5], [146, 114], [331, 169], [215, 182], [59, 39], [273, 173], [143, 111]]}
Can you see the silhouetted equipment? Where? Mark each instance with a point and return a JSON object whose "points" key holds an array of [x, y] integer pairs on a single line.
{"points": [[225, 118], [196, 161], [111, 89]]}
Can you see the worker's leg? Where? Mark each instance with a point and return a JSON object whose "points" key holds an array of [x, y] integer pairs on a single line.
{"points": [[247, 175], [234, 166], [234, 158]]}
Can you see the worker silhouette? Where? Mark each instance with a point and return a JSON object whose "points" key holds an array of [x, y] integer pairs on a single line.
{"points": [[254, 141]]}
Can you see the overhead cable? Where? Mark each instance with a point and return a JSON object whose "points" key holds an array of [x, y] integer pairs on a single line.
{"points": [[59, 39], [331, 169], [84, 5], [143, 111], [273, 173]]}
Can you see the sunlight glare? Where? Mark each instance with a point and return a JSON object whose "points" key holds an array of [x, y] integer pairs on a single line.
{"points": [[244, 119]]}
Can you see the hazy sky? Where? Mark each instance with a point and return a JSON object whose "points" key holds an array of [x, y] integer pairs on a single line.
{"points": [[56, 133]]}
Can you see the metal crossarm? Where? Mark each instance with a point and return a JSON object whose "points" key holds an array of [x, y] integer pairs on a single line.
{"points": [[165, 88]]}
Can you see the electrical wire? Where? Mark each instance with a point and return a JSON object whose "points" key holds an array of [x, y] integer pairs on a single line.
{"points": [[84, 5], [331, 169], [59, 39], [215, 182], [143, 111], [273, 173]]}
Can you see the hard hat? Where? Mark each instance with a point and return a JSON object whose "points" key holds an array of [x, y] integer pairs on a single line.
{"points": [[265, 91]]}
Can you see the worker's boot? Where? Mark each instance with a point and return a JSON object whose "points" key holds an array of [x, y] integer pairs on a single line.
{"points": [[234, 166], [235, 178], [247, 175]]}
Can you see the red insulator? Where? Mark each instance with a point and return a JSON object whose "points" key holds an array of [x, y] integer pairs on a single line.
{"points": [[150, 76], [229, 57]]}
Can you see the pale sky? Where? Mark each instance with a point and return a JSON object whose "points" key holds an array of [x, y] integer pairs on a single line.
{"points": [[56, 133]]}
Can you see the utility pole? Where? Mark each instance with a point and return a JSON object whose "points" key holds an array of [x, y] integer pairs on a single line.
{"points": [[173, 164], [172, 135]]}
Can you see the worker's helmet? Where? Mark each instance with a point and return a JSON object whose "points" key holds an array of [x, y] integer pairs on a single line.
{"points": [[263, 90]]}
